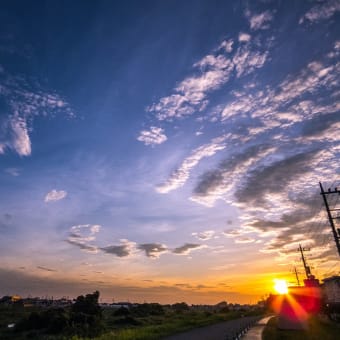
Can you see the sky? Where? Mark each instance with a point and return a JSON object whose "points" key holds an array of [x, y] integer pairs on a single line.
{"points": [[166, 151]]}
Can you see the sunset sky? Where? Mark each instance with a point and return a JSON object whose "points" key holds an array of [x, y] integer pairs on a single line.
{"points": [[166, 150]]}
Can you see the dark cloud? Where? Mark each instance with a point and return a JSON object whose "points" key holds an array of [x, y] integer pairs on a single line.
{"points": [[7, 217], [215, 178], [121, 250], [186, 248], [82, 246], [74, 235], [183, 285], [152, 249], [274, 177], [46, 269], [302, 214], [319, 124], [5, 222], [208, 181]]}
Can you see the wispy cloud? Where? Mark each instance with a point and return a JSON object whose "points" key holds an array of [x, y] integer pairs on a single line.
{"points": [[13, 171], [215, 70], [81, 235], [265, 180], [55, 195], [153, 136], [181, 175], [321, 11]]}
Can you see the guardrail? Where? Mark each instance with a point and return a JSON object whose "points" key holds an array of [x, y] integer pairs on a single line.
{"points": [[242, 328]]}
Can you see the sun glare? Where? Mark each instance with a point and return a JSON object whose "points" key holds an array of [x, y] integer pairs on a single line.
{"points": [[281, 286]]}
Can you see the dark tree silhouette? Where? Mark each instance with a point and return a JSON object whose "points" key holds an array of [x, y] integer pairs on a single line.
{"points": [[86, 315]]}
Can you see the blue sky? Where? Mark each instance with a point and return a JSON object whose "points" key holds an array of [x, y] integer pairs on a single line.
{"points": [[166, 150]]}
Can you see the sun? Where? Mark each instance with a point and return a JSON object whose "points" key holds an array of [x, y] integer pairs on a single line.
{"points": [[281, 286]]}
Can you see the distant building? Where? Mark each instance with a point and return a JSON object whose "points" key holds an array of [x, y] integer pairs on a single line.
{"points": [[331, 289]]}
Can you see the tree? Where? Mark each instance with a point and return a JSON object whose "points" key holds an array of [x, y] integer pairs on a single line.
{"points": [[86, 315]]}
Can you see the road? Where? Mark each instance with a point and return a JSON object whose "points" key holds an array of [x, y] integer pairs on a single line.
{"points": [[223, 330]]}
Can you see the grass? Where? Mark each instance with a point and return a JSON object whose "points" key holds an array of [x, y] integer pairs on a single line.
{"points": [[317, 330], [168, 325]]}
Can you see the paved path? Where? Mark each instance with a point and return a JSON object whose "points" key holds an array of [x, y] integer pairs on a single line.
{"points": [[255, 333], [223, 330]]}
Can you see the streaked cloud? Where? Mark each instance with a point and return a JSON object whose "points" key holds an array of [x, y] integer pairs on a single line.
{"points": [[55, 195], [187, 248], [46, 269], [232, 233], [153, 136]]}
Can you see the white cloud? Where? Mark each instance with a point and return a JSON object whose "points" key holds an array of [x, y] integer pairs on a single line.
{"points": [[181, 175], [55, 195], [246, 60], [244, 240], [227, 45], [20, 140], [244, 37], [204, 235], [80, 236], [260, 21], [216, 68], [232, 233], [24, 101], [154, 136], [321, 11]]}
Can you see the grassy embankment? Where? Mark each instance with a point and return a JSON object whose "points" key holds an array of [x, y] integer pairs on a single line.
{"points": [[127, 327], [317, 330]]}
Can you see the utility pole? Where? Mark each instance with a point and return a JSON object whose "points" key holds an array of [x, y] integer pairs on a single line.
{"points": [[331, 219], [307, 268], [297, 277]]}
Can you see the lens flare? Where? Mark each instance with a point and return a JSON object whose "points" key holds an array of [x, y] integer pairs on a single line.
{"points": [[281, 286]]}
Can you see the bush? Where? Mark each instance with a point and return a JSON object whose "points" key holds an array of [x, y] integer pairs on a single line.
{"points": [[122, 311], [180, 307], [146, 309]]}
